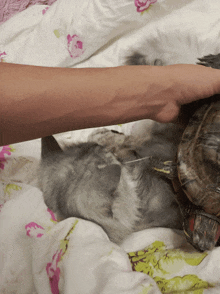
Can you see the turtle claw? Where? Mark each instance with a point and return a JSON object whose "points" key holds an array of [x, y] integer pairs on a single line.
{"points": [[210, 61], [203, 242], [165, 168]]}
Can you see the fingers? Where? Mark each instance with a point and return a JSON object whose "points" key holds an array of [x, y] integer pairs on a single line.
{"points": [[169, 113], [194, 82]]}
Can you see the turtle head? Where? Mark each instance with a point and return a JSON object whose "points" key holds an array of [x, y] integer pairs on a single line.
{"points": [[202, 231]]}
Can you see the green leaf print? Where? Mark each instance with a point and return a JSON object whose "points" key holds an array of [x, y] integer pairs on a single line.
{"points": [[145, 260], [10, 187], [190, 283], [12, 149], [56, 33], [145, 289], [194, 258], [161, 263], [64, 243]]}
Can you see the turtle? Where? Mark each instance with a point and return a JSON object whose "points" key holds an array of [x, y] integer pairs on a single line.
{"points": [[196, 172], [195, 175], [198, 168]]}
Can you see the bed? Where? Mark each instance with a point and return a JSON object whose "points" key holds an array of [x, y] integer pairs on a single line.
{"points": [[38, 254]]}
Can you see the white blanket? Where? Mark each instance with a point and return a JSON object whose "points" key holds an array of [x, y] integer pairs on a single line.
{"points": [[69, 32], [39, 255]]}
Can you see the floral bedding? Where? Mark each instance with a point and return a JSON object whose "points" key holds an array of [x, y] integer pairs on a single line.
{"points": [[38, 254]]}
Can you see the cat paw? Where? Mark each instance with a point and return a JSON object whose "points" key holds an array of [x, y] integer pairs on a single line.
{"points": [[210, 61], [140, 59]]}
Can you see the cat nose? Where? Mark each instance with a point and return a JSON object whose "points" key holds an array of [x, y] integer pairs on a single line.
{"points": [[158, 62]]}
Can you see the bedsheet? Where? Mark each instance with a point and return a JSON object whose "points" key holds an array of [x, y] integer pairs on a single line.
{"points": [[39, 254]]}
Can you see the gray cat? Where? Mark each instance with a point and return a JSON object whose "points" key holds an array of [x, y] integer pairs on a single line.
{"points": [[113, 180]]}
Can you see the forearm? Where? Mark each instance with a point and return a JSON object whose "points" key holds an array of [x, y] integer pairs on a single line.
{"points": [[37, 101]]}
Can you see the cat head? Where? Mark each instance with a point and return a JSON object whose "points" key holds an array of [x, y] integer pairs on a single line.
{"points": [[83, 176]]}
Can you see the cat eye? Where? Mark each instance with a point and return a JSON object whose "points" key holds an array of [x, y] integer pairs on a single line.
{"points": [[116, 132]]}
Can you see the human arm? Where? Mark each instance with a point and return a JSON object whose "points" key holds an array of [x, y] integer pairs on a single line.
{"points": [[39, 101]]}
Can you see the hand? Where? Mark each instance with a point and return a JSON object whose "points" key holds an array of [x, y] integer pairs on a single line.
{"points": [[158, 92]]}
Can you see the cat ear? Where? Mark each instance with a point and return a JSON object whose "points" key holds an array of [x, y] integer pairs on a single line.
{"points": [[110, 176], [48, 146]]}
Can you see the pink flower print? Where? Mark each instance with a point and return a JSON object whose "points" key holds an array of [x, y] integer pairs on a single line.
{"points": [[2, 54], [34, 230], [44, 10], [75, 46], [53, 218], [143, 4], [4, 150], [53, 272]]}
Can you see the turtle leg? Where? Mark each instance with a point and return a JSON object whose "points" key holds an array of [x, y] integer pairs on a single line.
{"points": [[210, 61]]}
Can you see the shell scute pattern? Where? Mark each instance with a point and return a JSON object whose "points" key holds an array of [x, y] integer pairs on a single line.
{"points": [[199, 175]]}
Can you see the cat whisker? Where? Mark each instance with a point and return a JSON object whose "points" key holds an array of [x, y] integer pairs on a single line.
{"points": [[135, 160]]}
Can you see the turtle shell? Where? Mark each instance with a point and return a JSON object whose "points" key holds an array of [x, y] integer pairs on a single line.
{"points": [[199, 174]]}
